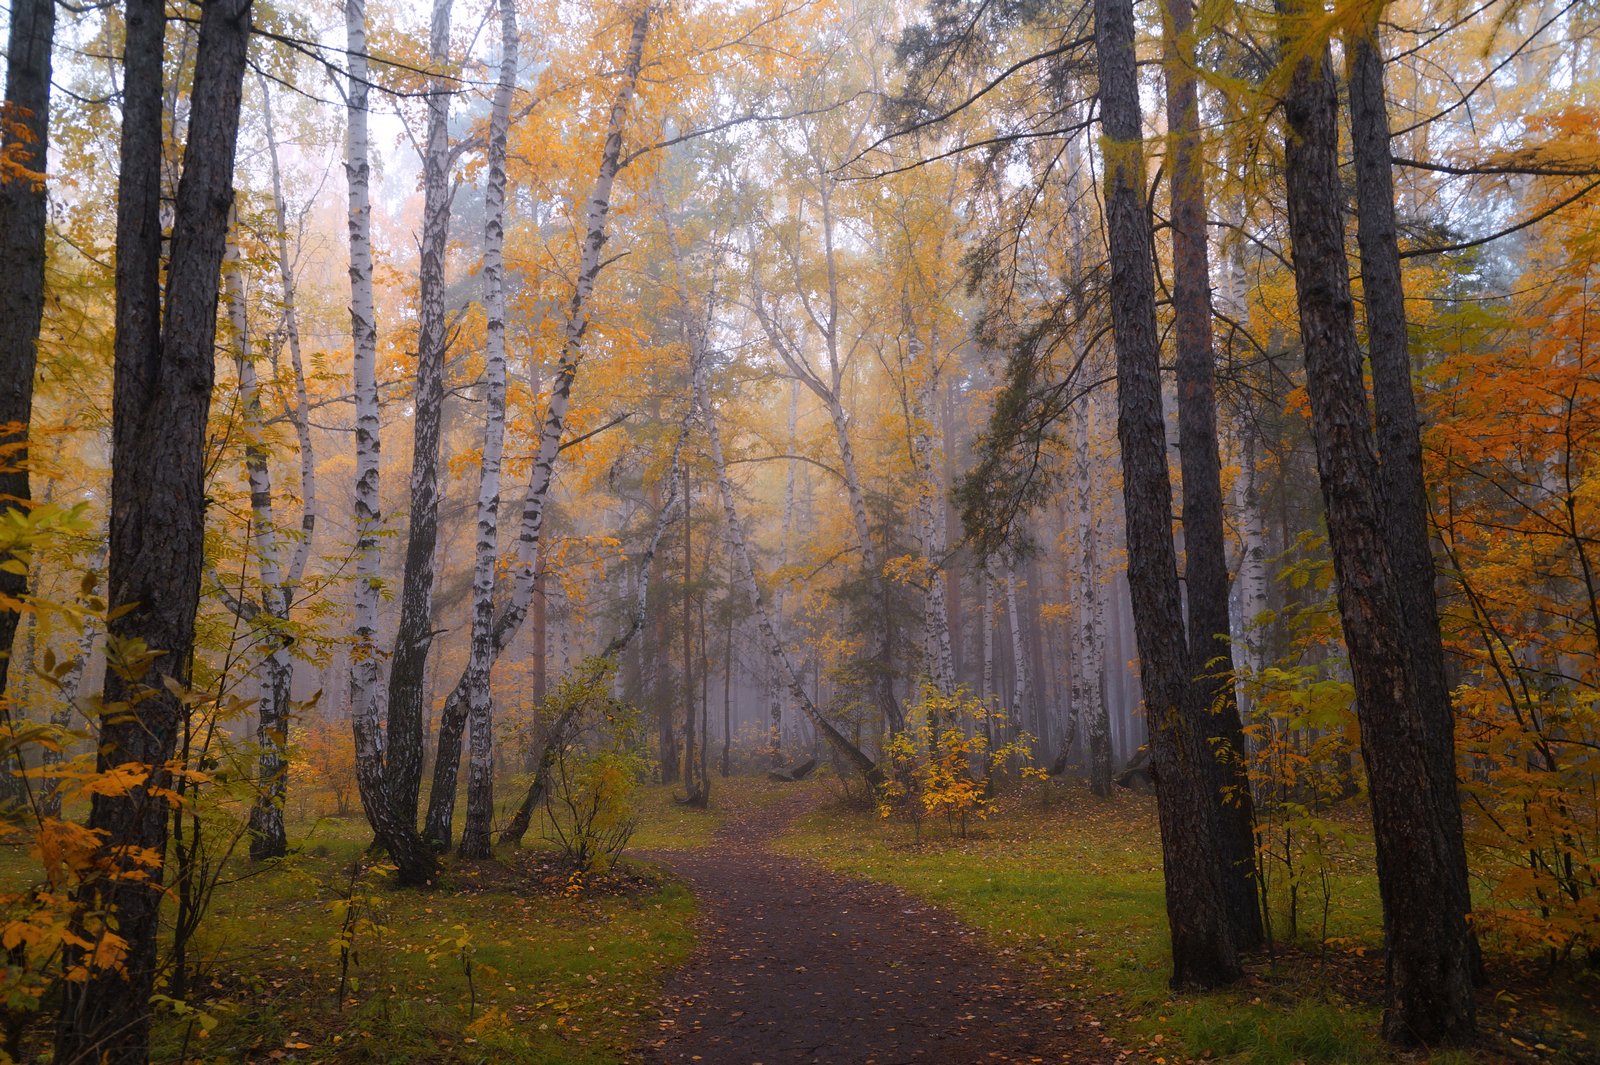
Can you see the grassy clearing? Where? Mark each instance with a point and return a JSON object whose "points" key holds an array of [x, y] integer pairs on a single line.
{"points": [[497, 965], [1071, 885]]}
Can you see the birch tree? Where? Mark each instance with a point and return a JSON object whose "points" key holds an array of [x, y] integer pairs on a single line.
{"points": [[368, 700], [408, 664], [475, 838], [441, 800]]}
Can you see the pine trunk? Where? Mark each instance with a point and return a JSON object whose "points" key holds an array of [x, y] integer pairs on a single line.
{"points": [[164, 375], [25, 143], [408, 710], [1205, 570], [1203, 950], [1428, 958], [1403, 492]]}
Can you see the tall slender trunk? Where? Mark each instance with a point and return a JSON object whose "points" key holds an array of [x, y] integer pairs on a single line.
{"points": [[72, 684], [1204, 548], [1091, 611], [161, 400], [727, 677], [25, 142], [1203, 950], [267, 836], [1401, 487], [408, 710], [989, 701], [689, 788], [475, 835], [301, 408], [1429, 960], [1252, 580], [780, 590], [274, 672], [920, 383], [447, 761], [368, 700], [1022, 679]]}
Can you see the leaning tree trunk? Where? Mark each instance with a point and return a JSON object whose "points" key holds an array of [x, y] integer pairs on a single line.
{"points": [[1205, 571], [518, 827], [475, 838], [25, 142], [1429, 958], [1403, 492], [747, 576], [367, 698], [1203, 950], [408, 694], [163, 379], [447, 760]]}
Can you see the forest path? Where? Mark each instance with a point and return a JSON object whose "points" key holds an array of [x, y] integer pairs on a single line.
{"points": [[799, 964]]}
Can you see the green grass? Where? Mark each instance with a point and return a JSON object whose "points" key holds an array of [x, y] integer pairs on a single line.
{"points": [[553, 979], [1070, 886], [668, 825]]}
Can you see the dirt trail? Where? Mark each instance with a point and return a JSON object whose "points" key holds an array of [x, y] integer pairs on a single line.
{"points": [[798, 964]]}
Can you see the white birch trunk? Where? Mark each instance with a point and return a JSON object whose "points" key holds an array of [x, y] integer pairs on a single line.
{"points": [[475, 837], [1252, 579], [273, 672], [301, 410], [1022, 690], [780, 590], [441, 801], [368, 699], [919, 385]]}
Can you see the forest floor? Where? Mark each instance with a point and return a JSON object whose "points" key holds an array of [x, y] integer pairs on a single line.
{"points": [[1067, 887], [798, 964]]}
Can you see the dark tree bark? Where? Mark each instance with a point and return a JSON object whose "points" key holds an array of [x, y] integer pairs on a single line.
{"points": [[22, 217], [1404, 495], [1429, 956], [1203, 949], [408, 696], [1205, 555], [162, 396]]}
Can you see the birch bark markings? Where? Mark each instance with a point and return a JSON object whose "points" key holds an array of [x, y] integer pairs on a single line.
{"points": [[475, 836], [275, 670], [368, 699], [447, 764], [408, 709]]}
